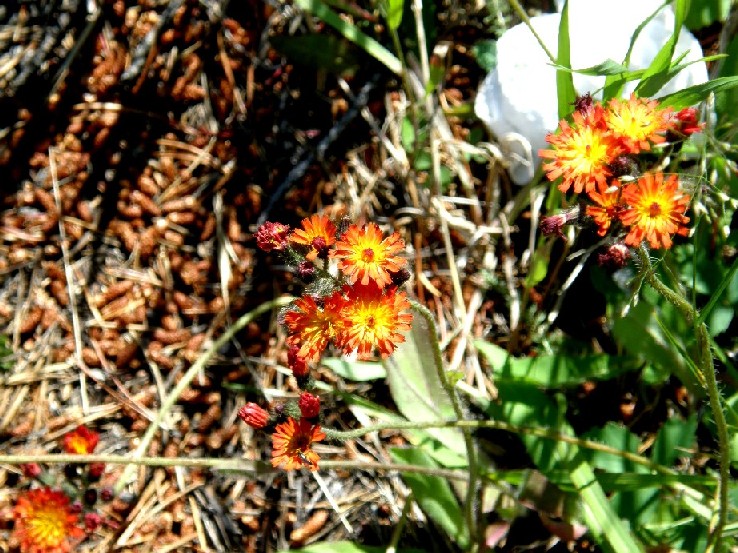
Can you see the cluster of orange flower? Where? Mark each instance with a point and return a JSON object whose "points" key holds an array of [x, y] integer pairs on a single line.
{"points": [[360, 311], [46, 520], [596, 155]]}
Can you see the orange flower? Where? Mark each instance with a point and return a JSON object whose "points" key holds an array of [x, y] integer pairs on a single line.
{"points": [[312, 327], [637, 122], [580, 153], [44, 522], [82, 441], [363, 255], [606, 210], [373, 320], [655, 210], [291, 444], [318, 232]]}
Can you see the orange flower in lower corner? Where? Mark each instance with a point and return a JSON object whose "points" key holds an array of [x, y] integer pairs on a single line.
{"points": [[82, 441], [363, 255], [580, 154], [655, 210], [374, 320], [44, 522], [291, 444]]}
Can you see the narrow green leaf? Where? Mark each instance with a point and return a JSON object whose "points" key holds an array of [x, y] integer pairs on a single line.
{"points": [[655, 76], [433, 494], [351, 32], [552, 371], [565, 91], [321, 51], [697, 93], [717, 293]]}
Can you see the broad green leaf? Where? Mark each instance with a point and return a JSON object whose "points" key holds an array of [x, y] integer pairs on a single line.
{"points": [[697, 93], [433, 494], [675, 438], [552, 371], [394, 13], [358, 371], [347, 547], [415, 385], [618, 437], [565, 91]]}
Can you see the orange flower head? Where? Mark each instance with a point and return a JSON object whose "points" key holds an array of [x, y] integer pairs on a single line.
{"points": [[607, 209], [311, 326], [291, 443], [364, 255], [44, 522], [81, 441], [318, 233], [374, 320], [655, 210], [580, 153], [638, 122]]}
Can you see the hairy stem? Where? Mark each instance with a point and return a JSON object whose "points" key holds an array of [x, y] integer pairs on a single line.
{"points": [[705, 363]]}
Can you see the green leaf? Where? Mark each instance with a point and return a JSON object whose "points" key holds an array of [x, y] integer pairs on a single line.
{"points": [[618, 437], [697, 93], [525, 405], [347, 547], [706, 12], [565, 91], [726, 101], [320, 51], [416, 388], [433, 494], [485, 52], [352, 33], [394, 10], [358, 371], [552, 371], [674, 439]]}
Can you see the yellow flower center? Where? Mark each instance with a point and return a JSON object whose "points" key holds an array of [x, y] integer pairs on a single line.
{"points": [[654, 210], [48, 526]]}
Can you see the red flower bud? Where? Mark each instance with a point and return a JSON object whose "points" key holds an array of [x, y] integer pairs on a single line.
{"points": [[31, 470], [95, 470], [309, 405], [253, 415], [92, 521]]}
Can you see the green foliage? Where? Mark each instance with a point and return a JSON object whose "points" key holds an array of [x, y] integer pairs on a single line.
{"points": [[319, 51], [356, 371], [565, 91], [433, 494], [348, 547], [6, 354]]}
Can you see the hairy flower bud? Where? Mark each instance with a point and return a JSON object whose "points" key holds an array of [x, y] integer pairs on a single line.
{"points": [[309, 405], [253, 415]]}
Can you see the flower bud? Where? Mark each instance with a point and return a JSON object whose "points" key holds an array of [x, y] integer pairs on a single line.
{"points": [[31, 470], [253, 415], [297, 363], [309, 405], [614, 257], [92, 521]]}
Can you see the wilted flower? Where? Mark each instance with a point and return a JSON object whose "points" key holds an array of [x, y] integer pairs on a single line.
{"points": [[614, 257], [272, 236]]}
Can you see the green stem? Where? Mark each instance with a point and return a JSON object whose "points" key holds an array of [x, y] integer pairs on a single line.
{"points": [[469, 504], [187, 378], [704, 361]]}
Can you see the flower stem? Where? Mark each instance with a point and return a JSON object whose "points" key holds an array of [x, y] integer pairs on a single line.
{"points": [[704, 361]]}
